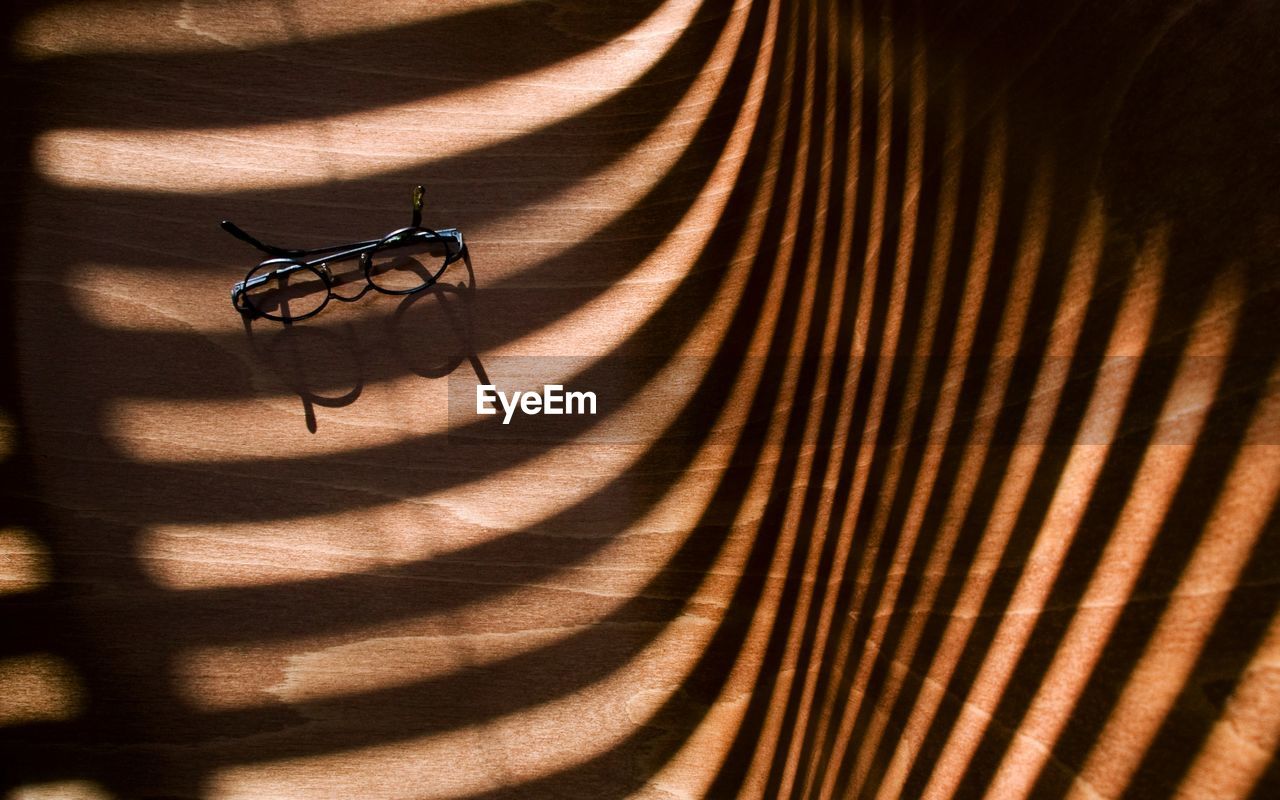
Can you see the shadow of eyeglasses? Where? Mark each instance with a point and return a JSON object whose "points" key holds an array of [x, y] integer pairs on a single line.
{"points": [[325, 366]]}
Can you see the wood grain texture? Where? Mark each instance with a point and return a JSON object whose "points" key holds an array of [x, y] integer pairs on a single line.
{"points": [[937, 451]]}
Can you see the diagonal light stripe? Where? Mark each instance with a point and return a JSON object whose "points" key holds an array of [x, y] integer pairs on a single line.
{"points": [[24, 561], [990, 201], [38, 687], [99, 27], [1050, 383], [1244, 740], [119, 297], [1061, 522], [1124, 557], [306, 153], [1238, 518]]}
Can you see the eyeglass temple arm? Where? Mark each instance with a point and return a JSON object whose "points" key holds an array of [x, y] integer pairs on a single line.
{"points": [[271, 250], [235, 230]]}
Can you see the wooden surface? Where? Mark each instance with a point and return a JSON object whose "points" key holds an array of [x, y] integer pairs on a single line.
{"points": [[935, 346]]}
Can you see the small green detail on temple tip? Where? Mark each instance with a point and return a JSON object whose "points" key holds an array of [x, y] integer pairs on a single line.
{"points": [[417, 205]]}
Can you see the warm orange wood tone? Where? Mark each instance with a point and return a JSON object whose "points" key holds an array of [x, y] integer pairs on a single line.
{"points": [[937, 449]]}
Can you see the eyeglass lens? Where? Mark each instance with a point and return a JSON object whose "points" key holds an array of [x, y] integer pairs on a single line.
{"points": [[286, 293], [403, 268]]}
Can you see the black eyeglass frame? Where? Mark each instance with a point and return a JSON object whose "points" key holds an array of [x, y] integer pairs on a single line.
{"points": [[286, 261]]}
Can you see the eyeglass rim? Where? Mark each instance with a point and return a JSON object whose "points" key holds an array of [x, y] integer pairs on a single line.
{"points": [[386, 244], [240, 291]]}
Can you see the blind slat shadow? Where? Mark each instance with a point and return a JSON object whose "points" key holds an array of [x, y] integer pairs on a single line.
{"points": [[987, 260]]}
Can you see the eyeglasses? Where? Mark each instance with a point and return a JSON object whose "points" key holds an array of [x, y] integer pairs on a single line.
{"points": [[297, 284]]}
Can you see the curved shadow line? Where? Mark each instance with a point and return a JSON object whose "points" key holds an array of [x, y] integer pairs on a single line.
{"points": [[1101, 513], [449, 41], [669, 323], [934, 150], [960, 420], [728, 496], [1066, 422], [164, 344], [689, 48], [664, 457], [744, 220], [1046, 470], [894, 165]]}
